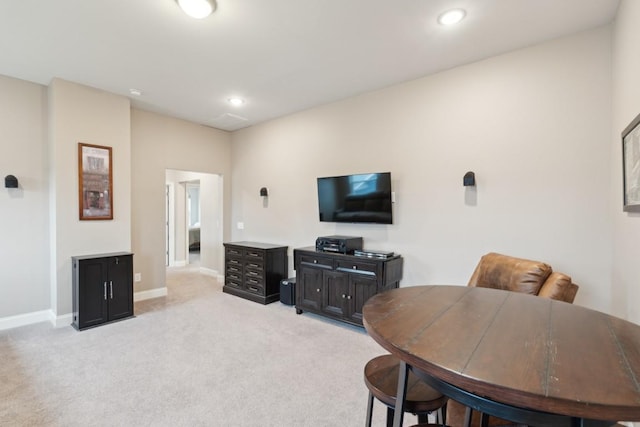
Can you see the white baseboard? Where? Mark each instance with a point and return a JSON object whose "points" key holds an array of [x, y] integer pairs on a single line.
{"points": [[211, 272], [61, 321], [26, 319], [151, 293]]}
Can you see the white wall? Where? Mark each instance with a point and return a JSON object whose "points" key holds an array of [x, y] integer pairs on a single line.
{"points": [[24, 228], [626, 106], [160, 143], [82, 114], [533, 125]]}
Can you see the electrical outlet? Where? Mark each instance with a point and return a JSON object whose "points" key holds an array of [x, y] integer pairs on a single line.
{"points": [[137, 277], [241, 226]]}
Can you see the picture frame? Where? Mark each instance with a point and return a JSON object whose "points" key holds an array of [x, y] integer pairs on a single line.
{"points": [[95, 182], [631, 166]]}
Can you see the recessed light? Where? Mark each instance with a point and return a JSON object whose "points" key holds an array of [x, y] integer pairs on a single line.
{"points": [[197, 8], [236, 101], [451, 17], [135, 92]]}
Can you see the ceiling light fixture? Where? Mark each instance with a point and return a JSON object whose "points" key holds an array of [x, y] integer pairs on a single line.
{"points": [[236, 101], [135, 92], [451, 17], [197, 8]]}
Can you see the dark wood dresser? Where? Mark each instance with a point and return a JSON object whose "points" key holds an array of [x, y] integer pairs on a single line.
{"points": [[337, 285], [254, 270]]}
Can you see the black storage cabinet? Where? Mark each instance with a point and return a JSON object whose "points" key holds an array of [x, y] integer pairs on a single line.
{"points": [[102, 289], [288, 291], [254, 270]]}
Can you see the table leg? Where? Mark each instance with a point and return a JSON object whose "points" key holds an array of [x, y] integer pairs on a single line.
{"points": [[401, 394]]}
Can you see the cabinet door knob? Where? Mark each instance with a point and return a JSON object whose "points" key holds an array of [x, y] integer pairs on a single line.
{"points": [[105, 290], [348, 296], [355, 267], [315, 261], [111, 288], [318, 290], [343, 296]]}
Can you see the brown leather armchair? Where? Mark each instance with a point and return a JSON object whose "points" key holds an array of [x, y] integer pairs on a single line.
{"points": [[517, 275]]}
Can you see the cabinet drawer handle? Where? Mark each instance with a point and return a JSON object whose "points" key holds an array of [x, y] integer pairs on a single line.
{"points": [[254, 265], [315, 261], [253, 289], [105, 291], [355, 267]]}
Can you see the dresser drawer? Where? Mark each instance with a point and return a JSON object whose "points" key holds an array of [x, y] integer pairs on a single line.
{"points": [[233, 251], [360, 267], [317, 261], [254, 286], [234, 269], [233, 283], [252, 273], [234, 275], [256, 265], [231, 261], [254, 254]]}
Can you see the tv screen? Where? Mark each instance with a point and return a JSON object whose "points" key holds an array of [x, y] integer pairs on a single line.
{"points": [[363, 197]]}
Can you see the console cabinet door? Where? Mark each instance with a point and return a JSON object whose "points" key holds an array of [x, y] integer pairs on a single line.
{"points": [[361, 288], [93, 293], [120, 287], [335, 295], [309, 287]]}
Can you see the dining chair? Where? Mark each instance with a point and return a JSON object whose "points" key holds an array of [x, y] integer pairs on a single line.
{"points": [[381, 378]]}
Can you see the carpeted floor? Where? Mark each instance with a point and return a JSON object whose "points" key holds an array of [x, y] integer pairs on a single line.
{"points": [[197, 357]]}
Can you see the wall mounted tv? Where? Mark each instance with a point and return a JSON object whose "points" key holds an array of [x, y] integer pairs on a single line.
{"points": [[362, 197]]}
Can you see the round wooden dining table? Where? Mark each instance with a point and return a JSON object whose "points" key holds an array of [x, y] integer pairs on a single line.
{"points": [[528, 359]]}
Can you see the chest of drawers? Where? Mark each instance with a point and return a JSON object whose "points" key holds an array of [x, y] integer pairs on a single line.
{"points": [[254, 270]]}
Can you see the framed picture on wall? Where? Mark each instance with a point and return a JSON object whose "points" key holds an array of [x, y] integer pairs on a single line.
{"points": [[631, 166], [95, 182]]}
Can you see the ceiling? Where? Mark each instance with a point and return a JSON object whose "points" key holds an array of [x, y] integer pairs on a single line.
{"points": [[281, 56]]}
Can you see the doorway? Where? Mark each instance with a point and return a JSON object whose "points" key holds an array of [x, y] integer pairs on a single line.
{"points": [[194, 220]]}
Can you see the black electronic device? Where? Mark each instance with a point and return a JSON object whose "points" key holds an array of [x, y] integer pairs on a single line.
{"points": [[339, 244], [374, 254], [288, 291], [356, 198]]}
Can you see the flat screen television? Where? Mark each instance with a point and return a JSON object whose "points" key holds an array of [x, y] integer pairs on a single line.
{"points": [[362, 197]]}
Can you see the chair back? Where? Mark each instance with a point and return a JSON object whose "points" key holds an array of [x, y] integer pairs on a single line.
{"points": [[522, 275]]}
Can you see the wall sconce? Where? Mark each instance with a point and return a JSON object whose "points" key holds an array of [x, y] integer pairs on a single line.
{"points": [[469, 179], [10, 181], [264, 192]]}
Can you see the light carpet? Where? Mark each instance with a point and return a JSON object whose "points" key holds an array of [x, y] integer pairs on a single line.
{"points": [[197, 357]]}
